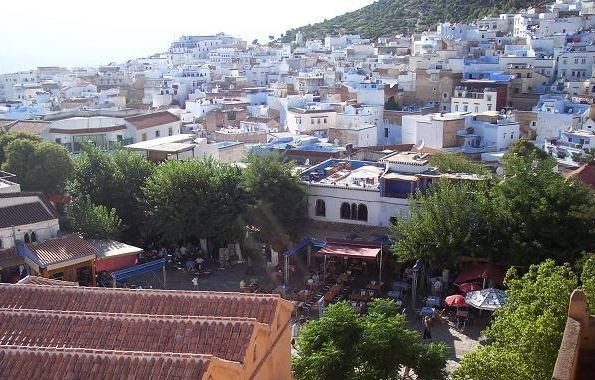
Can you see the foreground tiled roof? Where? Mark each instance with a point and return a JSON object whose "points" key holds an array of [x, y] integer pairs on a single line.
{"points": [[68, 248], [262, 307], [152, 119], [66, 364], [32, 127], [26, 213], [51, 209], [35, 280], [225, 338]]}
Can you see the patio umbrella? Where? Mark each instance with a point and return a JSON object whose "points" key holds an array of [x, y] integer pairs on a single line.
{"points": [[486, 299], [456, 300], [467, 287]]}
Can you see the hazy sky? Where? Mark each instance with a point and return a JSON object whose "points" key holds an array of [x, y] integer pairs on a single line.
{"points": [[78, 33]]}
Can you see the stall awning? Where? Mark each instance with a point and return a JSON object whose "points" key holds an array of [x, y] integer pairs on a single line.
{"points": [[137, 270], [352, 250], [482, 271]]}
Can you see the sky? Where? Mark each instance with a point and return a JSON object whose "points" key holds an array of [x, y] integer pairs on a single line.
{"points": [[79, 33]]}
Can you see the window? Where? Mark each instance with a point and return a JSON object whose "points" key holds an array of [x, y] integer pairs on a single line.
{"points": [[1, 246], [362, 212], [325, 120], [465, 108], [26, 238], [311, 121], [58, 141], [489, 107], [386, 132], [33, 237], [345, 211], [157, 133], [170, 131], [456, 107], [144, 137], [353, 211], [320, 208]]}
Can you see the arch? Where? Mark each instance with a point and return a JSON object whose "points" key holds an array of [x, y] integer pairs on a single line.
{"points": [[320, 208], [353, 211], [33, 237], [26, 238], [362, 212], [345, 211]]}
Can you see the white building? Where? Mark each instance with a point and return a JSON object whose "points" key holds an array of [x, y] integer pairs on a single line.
{"points": [[470, 100], [555, 114], [310, 119]]}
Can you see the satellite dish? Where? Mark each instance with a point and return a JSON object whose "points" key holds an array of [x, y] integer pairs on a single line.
{"points": [[420, 144], [499, 170], [307, 163]]}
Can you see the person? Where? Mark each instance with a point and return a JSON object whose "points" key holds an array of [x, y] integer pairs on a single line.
{"points": [[437, 288], [195, 282], [199, 262], [183, 251], [427, 326]]}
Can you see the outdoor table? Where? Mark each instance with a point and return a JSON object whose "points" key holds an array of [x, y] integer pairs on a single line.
{"points": [[462, 313], [394, 294], [360, 297], [427, 311], [376, 286], [433, 301]]}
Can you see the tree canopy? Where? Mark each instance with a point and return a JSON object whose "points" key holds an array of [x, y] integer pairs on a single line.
{"points": [[92, 221], [527, 332], [343, 345], [530, 214], [38, 165], [113, 180], [455, 163], [277, 206]]}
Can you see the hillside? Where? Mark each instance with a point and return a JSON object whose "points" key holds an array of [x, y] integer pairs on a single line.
{"points": [[390, 17]]}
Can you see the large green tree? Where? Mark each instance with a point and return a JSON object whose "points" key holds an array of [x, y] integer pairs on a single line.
{"points": [[113, 180], [8, 137], [527, 332], [92, 221], [277, 208], [455, 163], [448, 221], [190, 200], [38, 165], [345, 346]]}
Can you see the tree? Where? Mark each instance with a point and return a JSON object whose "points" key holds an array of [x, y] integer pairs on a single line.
{"points": [[527, 332], [91, 221], [342, 345], [449, 221], [113, 180], [38, 165], [392, 105], [588, 282], [8, 137], [455, 163], [190, 200], [277, 207]]}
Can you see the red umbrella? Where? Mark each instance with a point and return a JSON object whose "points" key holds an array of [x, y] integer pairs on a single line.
{"points": [[469, 287], [456, 300]]}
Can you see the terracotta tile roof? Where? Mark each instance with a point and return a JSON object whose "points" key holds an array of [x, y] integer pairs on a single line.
{"points": [[49, 206], [225, 338], [26, 213], [29, 126], [585, 174], [152, 119], [63, 363], [68, 248], [262, 307], [35, 280], [10, 257]]}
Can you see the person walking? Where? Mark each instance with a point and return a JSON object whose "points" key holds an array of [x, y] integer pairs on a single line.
{"points": [[427, 321], [195, 282]]}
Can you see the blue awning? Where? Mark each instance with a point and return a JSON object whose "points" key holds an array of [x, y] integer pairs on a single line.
{"points": [[139, 269], [305, 242]]}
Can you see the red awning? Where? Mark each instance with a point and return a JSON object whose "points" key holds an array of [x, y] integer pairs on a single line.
{"points": [[115, 262], [352, 250], [480, 271]]}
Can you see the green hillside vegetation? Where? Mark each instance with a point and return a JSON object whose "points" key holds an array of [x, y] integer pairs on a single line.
{"points": [[390, 17]]}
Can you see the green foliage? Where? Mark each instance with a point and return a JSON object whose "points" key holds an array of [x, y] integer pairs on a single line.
{"points": [[392, 105], [588, 282], [447, 222], [113, 180], [391, 17], [455, 163], [344, 346], [91, 221], [529, 215], [190, 200], [277, 207], [527, 332], [38, 165], [8, 137]]}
